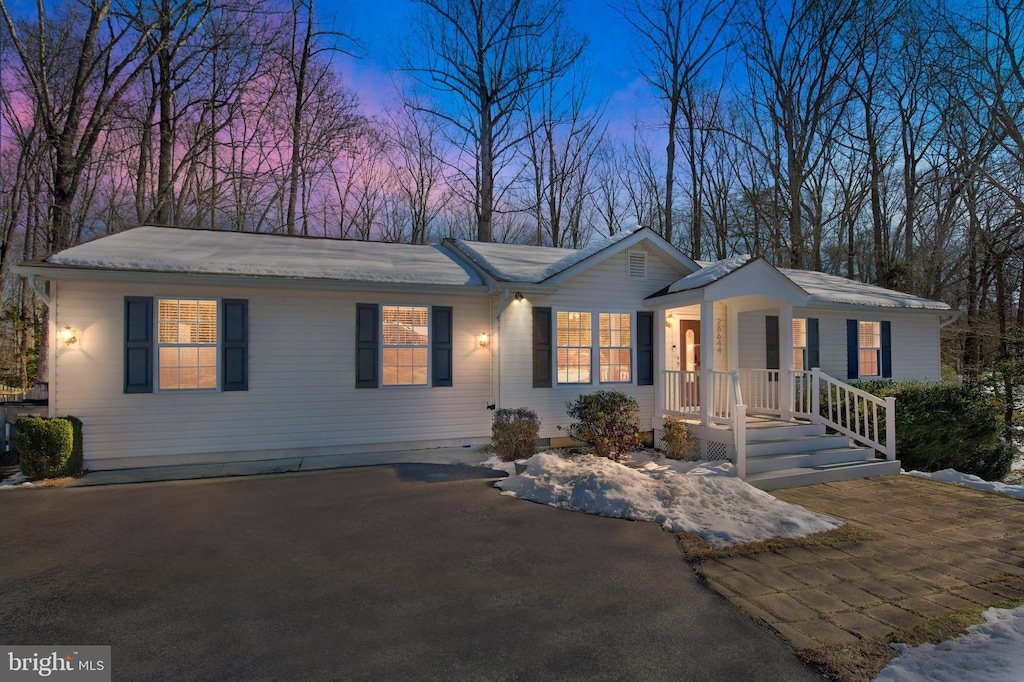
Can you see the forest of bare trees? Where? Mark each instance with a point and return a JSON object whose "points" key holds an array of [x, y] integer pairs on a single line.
{"points": [[878, 140]]}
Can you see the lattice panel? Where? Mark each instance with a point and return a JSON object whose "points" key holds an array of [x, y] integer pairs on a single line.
{"points": [[713, 452]]}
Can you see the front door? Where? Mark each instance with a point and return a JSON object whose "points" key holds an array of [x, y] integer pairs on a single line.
{"points": [[689, 356]]}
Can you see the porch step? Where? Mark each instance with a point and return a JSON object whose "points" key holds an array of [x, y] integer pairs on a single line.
{"points": [[811, 459], [775, 430], [842, 471], [792, 444]]}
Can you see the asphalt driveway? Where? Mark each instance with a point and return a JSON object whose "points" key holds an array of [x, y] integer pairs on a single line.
{"points": [[398, 572]]}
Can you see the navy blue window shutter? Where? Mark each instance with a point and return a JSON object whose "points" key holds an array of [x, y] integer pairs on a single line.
{"points": [[366, 345], [644, 348], [138, 344], [852, 350], [771, 342], [813, 357], [441, 328], [235, 344], [887, 350], [542, 359]]}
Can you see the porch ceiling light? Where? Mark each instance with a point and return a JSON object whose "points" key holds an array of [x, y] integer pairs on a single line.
{"points": [[69, 336]]}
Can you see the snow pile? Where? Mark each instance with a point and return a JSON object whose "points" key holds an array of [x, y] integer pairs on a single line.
{"points": [[696, 497], [18, 480], [992, 651], [971, 481], [498, 464]]}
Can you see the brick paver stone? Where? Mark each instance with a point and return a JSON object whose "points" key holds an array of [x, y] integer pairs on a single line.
{"points": [[825, 632], [863, 626]]}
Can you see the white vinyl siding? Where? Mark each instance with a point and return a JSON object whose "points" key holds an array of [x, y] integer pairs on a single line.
{"points": [[915, 340], [602, 287], [301, 369]]}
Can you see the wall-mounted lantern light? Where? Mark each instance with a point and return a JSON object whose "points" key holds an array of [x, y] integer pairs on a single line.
{"points": [[669, 320], [482, 339], [69, 336], [519, 296]]}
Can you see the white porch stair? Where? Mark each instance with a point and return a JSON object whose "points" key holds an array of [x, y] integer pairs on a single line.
{"points": [[785, 455]]}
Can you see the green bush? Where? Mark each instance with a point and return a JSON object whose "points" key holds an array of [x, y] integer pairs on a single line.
{"points": [[514, 433], [44, 446], [607, 421], [678, 441], [74, 466], [947, 426]]}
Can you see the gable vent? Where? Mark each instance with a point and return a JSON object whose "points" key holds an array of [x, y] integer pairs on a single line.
{"points": [[636, 265]]}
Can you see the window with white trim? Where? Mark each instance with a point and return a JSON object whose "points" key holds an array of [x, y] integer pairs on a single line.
{"points": [[799, 343], [616, 347], [869, 348], [186, 344], [404, 345], [574, 347]]}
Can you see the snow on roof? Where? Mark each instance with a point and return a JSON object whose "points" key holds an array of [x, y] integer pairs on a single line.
{"points": [[166, 249], [708, 274], [824, 288], [530, 264]]}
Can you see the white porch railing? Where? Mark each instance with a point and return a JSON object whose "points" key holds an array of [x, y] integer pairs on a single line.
{"points": [[682, 392], [761, 390], [846, 409]]}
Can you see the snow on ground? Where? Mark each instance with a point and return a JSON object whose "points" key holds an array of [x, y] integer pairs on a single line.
{"points": [[954, 476], [696, 497], [992, 651], [498, 464]]}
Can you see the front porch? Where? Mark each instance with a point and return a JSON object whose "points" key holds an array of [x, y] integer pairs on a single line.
{"points": [[759, 399]]}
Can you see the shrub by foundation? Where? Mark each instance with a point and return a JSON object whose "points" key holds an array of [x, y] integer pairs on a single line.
{"points": [[514, 433], [44, 446], [678, 441], [607, 421], [74, 465], [947, 426]]}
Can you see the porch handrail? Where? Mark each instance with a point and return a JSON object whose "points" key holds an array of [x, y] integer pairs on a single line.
{"points": [[763, 387], [845, 409], [739, 426], [681, 391]]}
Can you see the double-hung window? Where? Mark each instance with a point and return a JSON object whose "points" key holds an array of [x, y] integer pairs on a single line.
{"points": [[575, 341], [869, 348], [405, 345], [616, 347], [800, 343], [186, 344]]}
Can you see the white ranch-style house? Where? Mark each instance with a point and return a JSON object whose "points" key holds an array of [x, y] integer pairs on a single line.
{"points": [[178, 346]]}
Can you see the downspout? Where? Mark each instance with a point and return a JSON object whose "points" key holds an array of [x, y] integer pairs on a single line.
{"points": [[953, 318]]}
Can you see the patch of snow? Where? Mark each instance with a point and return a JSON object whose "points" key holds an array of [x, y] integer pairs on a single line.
{"points": [[710, 274], [696, 497], [824, 288], [530, 264], [17, 480], [990, 651], [498, 464], [971, 481], [166, 249]]}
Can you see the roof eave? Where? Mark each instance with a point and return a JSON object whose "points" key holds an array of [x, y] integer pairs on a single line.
{"points": [[74, 272]]}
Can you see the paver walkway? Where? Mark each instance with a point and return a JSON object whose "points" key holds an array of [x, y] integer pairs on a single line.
{"points": [[941, 548]]}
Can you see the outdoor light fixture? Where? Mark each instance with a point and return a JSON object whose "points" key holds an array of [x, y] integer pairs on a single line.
{"points": [[519, 296], [69, 336], [669, 320], [482, 339]]}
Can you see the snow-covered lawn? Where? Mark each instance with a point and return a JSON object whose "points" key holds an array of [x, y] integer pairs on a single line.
{"points": [[954, 476], [696, 497], [992, 651]]}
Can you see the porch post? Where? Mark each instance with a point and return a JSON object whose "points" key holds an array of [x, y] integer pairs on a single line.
{"points": [[707, 358], [733, 330], [786, 361], [659, 373]]}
